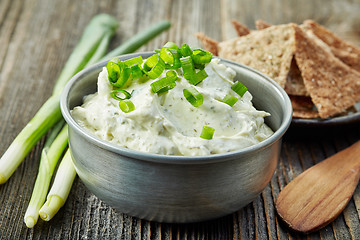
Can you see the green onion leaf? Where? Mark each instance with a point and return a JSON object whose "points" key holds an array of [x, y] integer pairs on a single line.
{"points": [[171, 45], [239, 88], [154, 66], [200, 56], [163, 85], [171, 58], [133, 61], [185, 50], [196, 78], [136, 72], [124, 76], [114, 95], [187, 66], [126, 106], [193, 96], [113, 70], [229, 100], [207, 132]]}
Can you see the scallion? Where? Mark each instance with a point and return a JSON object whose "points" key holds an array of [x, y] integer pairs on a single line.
{"points": [[193, 96], [50, 155], [187, 67], [154, 66], [200, 56], [197, 78], [163, 85], [229, 100], [49, 114], [239, 88], [60, 189], [207, 132], [115, 94], [185, 50], [133, 61], [126, 105]]}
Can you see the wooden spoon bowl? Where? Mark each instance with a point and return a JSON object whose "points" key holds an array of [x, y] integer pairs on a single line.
{"points": [[318, 195]]}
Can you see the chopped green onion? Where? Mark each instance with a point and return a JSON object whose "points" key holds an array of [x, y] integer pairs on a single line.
{"points": [[113, 69], [193, 96], [185, 50], [114, 94], [196, 78], [154, 66], [171, 58], [207, 132], [200, 56], [171, 74], [136, 72], [239, 88], [124, 76], [171, 45], [229, 100], [133, 61], [163, 84], [60, 189], [126, 106], [187, 66]]}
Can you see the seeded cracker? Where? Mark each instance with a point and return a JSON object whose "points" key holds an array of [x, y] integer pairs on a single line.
{"points": [[261, 24], [270, 51], [345, 51], [333, 85], [240, 29], [209, 44], [303, 107]]}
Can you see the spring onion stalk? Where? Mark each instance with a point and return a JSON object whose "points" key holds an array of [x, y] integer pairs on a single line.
{"points": [[138, 40], [101, 27], [50, 155], [60, 189]]}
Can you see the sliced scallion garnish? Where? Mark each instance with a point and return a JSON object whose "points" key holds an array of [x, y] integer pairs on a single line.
{"points": [[185, 50], [171, 58], [115, 94], [126, 106], [163, 84], [187, 67], [154, 66], [136, 72], [196, 78], [229, 100], [124, 76], [193, 96], [200, 56], [133, 61], [207, 132], [239, 88], [113, 69]]}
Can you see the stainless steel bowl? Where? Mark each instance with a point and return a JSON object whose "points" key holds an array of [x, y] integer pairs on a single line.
{"points": [[177, 188]]}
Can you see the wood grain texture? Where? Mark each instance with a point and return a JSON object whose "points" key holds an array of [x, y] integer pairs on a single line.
{"points": [[36, 38]]}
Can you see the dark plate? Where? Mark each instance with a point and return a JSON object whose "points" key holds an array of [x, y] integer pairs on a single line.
{"points": [[351, 117]]}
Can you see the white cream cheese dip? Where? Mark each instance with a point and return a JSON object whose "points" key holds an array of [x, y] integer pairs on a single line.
{"points": [[168, 124]]}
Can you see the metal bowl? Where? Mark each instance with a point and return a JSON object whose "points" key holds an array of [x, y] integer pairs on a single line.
{"points": [[177, 188]]}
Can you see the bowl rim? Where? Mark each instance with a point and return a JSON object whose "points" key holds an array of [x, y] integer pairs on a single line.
{"points": [[173, 159]]}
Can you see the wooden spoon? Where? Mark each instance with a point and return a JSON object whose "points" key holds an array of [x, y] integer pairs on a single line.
{"points": [[318, 195]]}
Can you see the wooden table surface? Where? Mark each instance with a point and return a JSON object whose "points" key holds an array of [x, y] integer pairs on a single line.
{"points": [[36, 38]]}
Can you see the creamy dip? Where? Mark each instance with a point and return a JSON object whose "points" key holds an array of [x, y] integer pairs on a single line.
{"points": [[168, 124]]}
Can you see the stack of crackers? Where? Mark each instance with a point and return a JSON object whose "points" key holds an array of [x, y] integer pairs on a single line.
{"points": [[319, 71]]}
